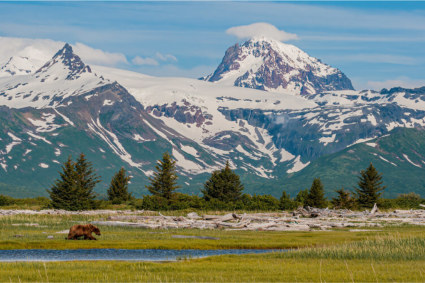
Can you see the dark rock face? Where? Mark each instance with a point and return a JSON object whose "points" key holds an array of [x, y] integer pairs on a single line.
{"points": [[280, 70], [187, 113], [228, 63]]}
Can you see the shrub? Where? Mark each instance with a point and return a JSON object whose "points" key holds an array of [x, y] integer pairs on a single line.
{"points": [[343, 200], [5, 200]]}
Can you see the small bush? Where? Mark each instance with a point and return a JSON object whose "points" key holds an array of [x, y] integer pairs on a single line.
{"points": [[5, 200], [183, 201], [403, 201]]}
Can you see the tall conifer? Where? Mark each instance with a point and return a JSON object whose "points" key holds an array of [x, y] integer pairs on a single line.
{"points": [[74, 189], [316, 195], [118, 190], [164, 181], [370, 187]]}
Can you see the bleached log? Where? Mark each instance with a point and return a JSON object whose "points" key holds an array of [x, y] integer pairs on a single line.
{"points": [[126, 224], [374, 209], [193, 215]]}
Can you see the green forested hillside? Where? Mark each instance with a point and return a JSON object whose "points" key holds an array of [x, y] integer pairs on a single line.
{"points": [[400, 157]]}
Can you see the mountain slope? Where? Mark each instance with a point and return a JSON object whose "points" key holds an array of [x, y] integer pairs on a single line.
{"points": [[267, 64], [399, 156], [121, 118]]}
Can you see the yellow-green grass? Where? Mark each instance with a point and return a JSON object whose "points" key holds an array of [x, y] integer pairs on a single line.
{"points": [[395, 253], [218, 269], [35, 237], [384, 262]]}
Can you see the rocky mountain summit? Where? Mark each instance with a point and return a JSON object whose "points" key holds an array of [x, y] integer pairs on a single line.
{"points": [[267, 64], [66, 59]]}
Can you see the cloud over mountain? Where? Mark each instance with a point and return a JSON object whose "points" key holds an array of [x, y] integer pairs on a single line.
{"points": [[44, 49], [261, 29]]}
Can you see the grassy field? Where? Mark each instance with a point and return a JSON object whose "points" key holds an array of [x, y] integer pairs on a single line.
{"points": [[19, 232], [392, 254], [378, 260]]}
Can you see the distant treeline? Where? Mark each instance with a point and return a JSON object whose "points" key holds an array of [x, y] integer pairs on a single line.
{"points": [[184, 202], [74, 190]]}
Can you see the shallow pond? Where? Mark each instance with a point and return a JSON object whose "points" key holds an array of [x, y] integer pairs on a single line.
{"points": [[116, 254]]}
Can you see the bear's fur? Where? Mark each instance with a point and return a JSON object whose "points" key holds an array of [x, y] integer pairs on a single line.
{"points": [[79, 230]]}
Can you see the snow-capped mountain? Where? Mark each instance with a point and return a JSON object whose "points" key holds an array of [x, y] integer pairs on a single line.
{"points": [[62, 76], [122, 118], [271, 65]]}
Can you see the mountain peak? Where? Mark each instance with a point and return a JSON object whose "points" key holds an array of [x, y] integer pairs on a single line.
{"points": [[268, 64], [69, 61]]}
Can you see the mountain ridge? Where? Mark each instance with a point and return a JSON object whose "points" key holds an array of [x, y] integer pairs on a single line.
{"points": [[121, 118]]}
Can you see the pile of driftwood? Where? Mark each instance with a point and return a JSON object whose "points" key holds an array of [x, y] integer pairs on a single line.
{"points": [[301, 219]]}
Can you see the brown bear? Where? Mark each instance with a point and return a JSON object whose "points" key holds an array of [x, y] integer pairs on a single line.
{"points": [[79, 230]]}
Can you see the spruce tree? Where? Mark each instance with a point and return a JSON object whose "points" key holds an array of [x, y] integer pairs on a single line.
{"points": [[224, 185], [343, 199], [286, 203], [63, 193], [164, 181], [369, 187], [74, 189], [316, 195], [86, 181], [118, 190]]}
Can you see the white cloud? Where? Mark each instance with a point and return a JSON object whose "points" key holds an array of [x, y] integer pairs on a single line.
{"points": [[165, 57], [397, 82], [99, 57], [39, 51], [154, 61], [261, 29], [144, 61]]}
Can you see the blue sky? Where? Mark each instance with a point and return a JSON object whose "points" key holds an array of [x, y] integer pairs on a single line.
{"points": [[376, 44]]}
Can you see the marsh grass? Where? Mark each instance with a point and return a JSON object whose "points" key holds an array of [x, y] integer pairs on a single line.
{"points": [[263, 268], [394, 247], [396, 253], [35, 237]]}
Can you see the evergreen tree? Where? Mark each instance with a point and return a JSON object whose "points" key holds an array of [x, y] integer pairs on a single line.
{"points": [[369, 187], [164, 181], [316, 195], [301, 197], [86, 181], [343, 199], [286, 203], [74, 189], [118, 190], [64, 191], [223, 185]]}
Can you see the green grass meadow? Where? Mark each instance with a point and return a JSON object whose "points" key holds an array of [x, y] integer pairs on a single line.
{"points": [[395, 253]]}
